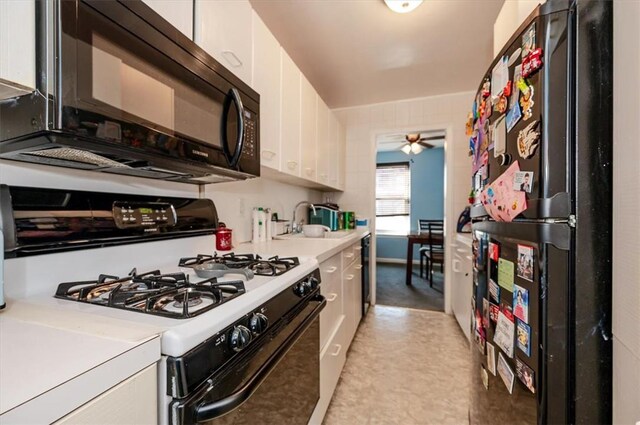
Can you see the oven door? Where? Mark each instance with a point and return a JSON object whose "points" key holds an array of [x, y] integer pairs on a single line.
{"points": [[132, 80], [274, 382]]}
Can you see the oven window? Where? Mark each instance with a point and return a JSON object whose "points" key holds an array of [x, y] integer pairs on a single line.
{"points": [[290, 393], [122, 77]]}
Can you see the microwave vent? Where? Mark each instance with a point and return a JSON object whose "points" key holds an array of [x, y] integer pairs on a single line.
{"points": [[77, 155]]}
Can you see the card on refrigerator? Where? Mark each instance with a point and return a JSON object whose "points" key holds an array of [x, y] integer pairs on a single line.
{"points": [[521, 303], [525, 262], [504, 334], [523, 337], [506, 373], [526, 375]]}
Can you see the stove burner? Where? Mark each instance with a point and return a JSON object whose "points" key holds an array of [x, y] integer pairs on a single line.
{"points": [[170, 295], [193, 297], [274, 266]]}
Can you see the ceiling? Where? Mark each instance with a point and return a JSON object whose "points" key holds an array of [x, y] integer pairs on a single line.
{"points": [[395, 141], [356, 52]]}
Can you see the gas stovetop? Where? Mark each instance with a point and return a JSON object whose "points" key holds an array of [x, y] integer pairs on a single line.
{"points": [[177, 295], [271, 266]]}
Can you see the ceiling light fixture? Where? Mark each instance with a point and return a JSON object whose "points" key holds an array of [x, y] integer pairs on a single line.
{"points": [[406, 149], [402, 6]]}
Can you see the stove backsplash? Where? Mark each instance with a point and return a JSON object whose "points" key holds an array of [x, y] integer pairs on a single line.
{"points": [[40, 275]]}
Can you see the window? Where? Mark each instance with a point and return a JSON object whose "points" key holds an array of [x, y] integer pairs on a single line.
{"points": [[393, 198]]}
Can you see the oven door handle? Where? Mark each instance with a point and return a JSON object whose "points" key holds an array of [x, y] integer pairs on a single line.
{"points": [[208, 411]]}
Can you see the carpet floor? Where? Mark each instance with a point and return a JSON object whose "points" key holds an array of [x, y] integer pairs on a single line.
{"points": [[392, 290]]}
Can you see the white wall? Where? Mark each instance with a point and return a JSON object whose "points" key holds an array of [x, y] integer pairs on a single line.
{"points": [[235, 201], [626, 204], [363, 123], [512, 14]]}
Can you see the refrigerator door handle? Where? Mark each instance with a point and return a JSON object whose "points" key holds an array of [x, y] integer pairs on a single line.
{"points": [[558, 235]]}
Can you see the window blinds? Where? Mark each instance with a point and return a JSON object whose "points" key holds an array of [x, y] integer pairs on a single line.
{"points": [[393, 189]]}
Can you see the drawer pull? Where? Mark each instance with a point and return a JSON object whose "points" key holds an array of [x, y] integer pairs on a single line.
{"points": [[332, 297], [350, 277], [292, 165], [455, 264], [309, 171], [349, 255], [331, 270], [358, 267], [358, 248], [338, 349]]}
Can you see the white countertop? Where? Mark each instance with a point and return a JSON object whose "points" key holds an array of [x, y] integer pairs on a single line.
{"points": [[320, 248], [52, 362]]}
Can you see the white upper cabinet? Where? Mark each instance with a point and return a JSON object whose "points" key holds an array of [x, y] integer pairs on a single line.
{"points": [[179, 13], [322, 148], [290, 119], [308, 138], [332, 150], [223, 29], [342, 155], [267, 82], [17, 48]]}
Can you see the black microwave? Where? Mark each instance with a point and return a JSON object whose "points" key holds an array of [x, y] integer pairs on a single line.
{"points": [[120, 90]]}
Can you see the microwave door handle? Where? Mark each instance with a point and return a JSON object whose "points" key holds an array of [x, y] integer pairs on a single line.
{"points": [[208, 411], [232, 96]]}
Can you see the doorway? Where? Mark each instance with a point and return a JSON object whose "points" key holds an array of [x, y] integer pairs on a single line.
{"points": [[410, 185]]}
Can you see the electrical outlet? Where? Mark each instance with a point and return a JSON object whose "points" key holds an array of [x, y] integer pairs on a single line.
{"points": [[241, 207]]}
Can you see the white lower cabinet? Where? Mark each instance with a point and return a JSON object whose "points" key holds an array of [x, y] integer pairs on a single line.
{"points": [[133, 401], [462, 285], [332, 360], [341, 284]]}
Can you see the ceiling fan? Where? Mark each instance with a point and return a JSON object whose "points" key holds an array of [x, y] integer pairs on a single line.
{"points": [[414, 144]]}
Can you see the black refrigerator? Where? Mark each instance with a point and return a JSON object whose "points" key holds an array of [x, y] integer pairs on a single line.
{"points": [[541, 145]]}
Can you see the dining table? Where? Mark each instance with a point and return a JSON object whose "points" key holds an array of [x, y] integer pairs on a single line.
{"points": [[422, 238]]}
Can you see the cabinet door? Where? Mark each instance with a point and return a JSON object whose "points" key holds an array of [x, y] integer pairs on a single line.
{"points": [[17, 48], [267, 82], [342, 155], [223, 29], [290, 116], [179, 13], [134, 401], [332, 149], [308, 138], [322, 147]]}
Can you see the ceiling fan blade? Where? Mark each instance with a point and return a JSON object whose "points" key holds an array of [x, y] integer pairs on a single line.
{"points": [[426, 145], [432, 138]]}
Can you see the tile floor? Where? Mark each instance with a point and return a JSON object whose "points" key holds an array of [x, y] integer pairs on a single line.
{"points": [[404, 367]]}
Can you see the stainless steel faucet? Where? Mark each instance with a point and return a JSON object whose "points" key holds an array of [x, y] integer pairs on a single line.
{"points": [[296, 227]]}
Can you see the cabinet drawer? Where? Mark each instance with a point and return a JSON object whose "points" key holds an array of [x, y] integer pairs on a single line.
{"points": [[332, 313], [350, 254], [332, 360], [331, 268]]}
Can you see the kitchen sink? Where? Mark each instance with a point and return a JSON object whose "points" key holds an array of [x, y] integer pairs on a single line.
{"points": [[339, 234]]}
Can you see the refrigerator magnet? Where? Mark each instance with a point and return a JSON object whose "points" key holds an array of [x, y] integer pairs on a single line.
{"points": [[505, 274], [499, 133], [521, 303], [513, 116], [491, 359], [504, 334], [506, 373], [501, 104], [526, 102], [515, 93], [486, 88], [528, 41], [485, 377], [523, 181], [494, 291], [532, 63], [528, 140], [493, 312], [525, 262], [494, 251], [523, 337], [525, 375], [469, 124], [485, 313]]}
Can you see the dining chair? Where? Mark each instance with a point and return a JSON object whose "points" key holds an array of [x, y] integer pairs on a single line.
{"points": [[423, 227], [433, 253]]}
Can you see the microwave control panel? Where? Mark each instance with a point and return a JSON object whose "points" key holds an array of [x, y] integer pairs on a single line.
{"points": [[148, 214], [250, 125]]}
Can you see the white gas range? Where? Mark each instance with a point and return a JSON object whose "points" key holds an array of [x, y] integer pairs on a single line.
{"points": [[244, 339]]}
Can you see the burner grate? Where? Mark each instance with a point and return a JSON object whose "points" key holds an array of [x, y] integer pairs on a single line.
{"points": [[153, 293]]}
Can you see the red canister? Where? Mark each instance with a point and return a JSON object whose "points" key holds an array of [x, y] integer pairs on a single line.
{"points": [[223, 239]]}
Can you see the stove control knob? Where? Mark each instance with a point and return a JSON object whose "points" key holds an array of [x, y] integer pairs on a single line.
{"points": [[240, 338], [313, 283], [258, 323], [301, 289]]}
